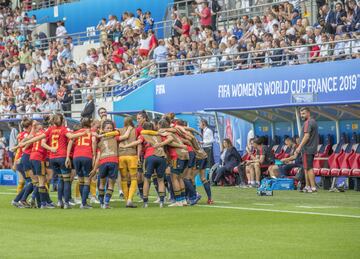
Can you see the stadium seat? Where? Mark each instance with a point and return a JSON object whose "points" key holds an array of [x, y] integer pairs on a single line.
{"points": [[353, 161], [333, 161], [343, 160]]}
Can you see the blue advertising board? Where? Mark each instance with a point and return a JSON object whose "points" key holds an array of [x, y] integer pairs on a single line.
{"points": [[314, 84]]}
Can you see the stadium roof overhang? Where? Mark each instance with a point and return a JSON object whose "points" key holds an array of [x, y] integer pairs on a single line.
{"points": [[333, 112]]}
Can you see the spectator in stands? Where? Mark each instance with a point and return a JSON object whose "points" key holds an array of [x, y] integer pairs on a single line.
{"points": [[103, 31], [89, 108], [148, 22], [160, 56], [229, 159], [205, 15], [61, 31], [176, 29]]}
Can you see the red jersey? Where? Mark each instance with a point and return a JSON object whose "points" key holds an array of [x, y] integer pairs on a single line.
{"points": [[83, 145], [20, 137], [147, 148], [138, 131], [29, 147], [171, 151], [56, 137], [38, 152]]}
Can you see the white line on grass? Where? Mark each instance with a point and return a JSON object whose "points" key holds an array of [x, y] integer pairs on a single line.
{"points": [[284, 211], [263, 204], [318, 207]]}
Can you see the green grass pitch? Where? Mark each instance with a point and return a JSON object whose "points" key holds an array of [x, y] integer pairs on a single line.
{"points": [[239, 225]]}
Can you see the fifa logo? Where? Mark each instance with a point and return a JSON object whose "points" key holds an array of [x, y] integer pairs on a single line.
{"points": [[160, 89]]}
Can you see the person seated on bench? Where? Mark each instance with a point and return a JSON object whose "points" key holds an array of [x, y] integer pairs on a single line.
{"points": [[229, 158], [290, 162], [264, 160]]}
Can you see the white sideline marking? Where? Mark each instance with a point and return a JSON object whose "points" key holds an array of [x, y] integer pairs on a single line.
{"points": [[7, 193], [284, 211], [263, 204], [318, 207]]}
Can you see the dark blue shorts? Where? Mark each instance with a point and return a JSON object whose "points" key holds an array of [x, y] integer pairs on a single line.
{"points": [[201, 164], [155, 163], [58, 166], [20, 169], [109, 170], [11, 155], [82, 166], [192, 159], [38, 167], [25, 161], [178, 166]]}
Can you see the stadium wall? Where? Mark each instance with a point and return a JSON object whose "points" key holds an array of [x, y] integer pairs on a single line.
{"points": [[87, 13]]}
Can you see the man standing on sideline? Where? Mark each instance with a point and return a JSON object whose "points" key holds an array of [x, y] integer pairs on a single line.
{"points": [[208, 141], [89, 108], [12, 141], [308, 148]]}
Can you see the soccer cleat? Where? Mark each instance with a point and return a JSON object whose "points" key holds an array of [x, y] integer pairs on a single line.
{"points": [[107, 206], [85, 207], [24, 204], [130, 204], [67, 206], [94, 200], [15, 204], [32, 203], [185, 202], [176, 204], [157, 200], [60, 204], [161, 204], [145, 205], [198, 197], [77, 202], [313, 189], [334, 190], [72, 202], [50, 205], [121, 194], [210, 202], [305, 189]]}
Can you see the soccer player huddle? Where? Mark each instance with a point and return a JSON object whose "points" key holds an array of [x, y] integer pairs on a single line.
{"points": [[164, 152]]}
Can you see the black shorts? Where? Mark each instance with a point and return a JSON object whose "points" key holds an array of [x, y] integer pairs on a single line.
{"points": [[308, 161]]}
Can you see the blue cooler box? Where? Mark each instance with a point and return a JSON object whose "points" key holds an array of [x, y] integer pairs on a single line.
{"points": [[278, 184], [8, 177]]}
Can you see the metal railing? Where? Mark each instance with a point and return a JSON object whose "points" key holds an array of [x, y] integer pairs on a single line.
{"points": [[80, 38], [37, 115], [41, 4], [265, 58], [118, 90]]}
